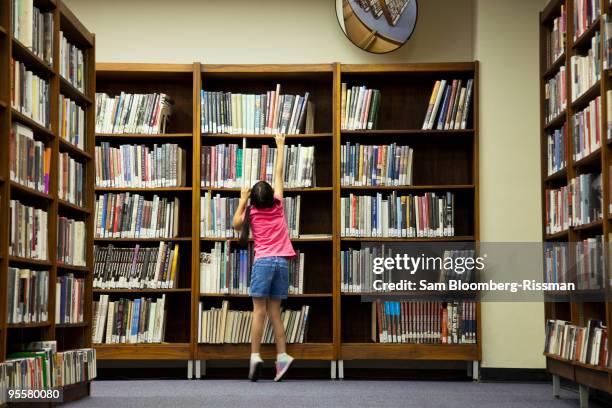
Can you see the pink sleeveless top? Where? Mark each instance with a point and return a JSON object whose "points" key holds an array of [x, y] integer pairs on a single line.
{"points": [[269, 230]]}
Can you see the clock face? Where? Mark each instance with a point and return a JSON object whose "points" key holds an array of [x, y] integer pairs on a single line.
{"points": [[377, 26]]}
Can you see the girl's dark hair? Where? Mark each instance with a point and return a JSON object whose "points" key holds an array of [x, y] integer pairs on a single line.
{"points": [[262, 196]]}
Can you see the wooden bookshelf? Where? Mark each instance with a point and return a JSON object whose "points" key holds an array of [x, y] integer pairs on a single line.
{"points": [[581, 305], [68, 336]]}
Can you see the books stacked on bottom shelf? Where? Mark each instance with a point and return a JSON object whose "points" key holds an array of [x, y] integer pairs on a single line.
{"points": [[450, 104], [359, 108], [132, 113], [28, 296], [141, 320], [219, 326], [375, 165], [136, 268], [587, 345], [28, 236], [29, 160], [424, 322], [69, 299], [589, 258]]}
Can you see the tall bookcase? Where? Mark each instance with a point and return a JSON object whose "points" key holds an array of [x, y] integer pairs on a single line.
{"points": [[339, 323], [579, 306], [68, 336]]}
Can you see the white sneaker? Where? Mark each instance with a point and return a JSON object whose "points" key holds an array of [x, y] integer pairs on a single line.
{"points": [[282, 365], [255, 368]]}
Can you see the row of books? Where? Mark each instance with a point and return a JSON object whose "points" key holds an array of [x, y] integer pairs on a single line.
{"points": [[587, 130], [71, 180], [359, 107], [429, 215], [29, 159], [71, 63], [587, 345], [269, 113], [375, 165], [27, 296], [71, 241], [222, 325], [139, 166], [71, 122], [585, 14], [586, 70], [127, 215], [450, 104], [579, 203], [69, 299], [607, 45], [232, 166], [587, 270], [133, 113], [137, 267], [40, 366], [424, 322], [141, 320], [28, 231], [557, 35], [555, 95], [33, 28], [30, 94], [556, 150]]}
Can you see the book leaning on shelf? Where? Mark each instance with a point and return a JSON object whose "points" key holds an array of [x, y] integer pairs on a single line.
{"points": [[450, 104], [127, 215], [556, 150], [555, 95], [71, 180], [225, 326], [30, 94], [142, 320], [71, 63], [359, 108], [69, 299], [29, 160], [33, 28], [587, 129], [227, 271], [28, 231], [587, 345], [586, 70], [27, 296], [428, 322], [71, 122], [429, 215], [71, 241], [137, 267], [378, 165], [140, 166], [269, 113], [133, 113]]}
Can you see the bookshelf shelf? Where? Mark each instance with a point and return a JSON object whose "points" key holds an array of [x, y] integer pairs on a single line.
{"points": [[188, 290], [588, 226], [74, 151], [419, 239], [69, 90], [66, 206], [301, 239], [559, 175], [413, 187], [160, 136], [583, 100], [27, 325], [302, 295], [71, 325], [73, 268], [164, 351], [39, 130], [460, 352], [142, 189], [305, 351], [28, 261], [137, 240], [27, 191], [33, 61], [554, 67], [267, 137], [287, 190], [593, 158], [557, 121], [407, 132], [584, 39]]}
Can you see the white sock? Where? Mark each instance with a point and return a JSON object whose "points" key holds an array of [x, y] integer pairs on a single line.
{"points": [[255, 357]]}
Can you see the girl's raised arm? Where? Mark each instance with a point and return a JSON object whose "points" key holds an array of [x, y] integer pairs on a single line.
{"points": [[278, 170]]}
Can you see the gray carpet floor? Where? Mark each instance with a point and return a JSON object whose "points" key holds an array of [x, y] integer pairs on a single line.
{"points": [[319, 393]]}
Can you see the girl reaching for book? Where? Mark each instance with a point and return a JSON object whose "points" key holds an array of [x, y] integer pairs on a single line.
{"points": [[264, 217]]}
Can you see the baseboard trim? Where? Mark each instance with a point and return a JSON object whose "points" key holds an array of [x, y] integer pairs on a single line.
{"points": [[514, 375]]}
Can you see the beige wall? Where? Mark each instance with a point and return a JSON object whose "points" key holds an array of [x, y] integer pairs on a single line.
{"points": [[501, 34]]}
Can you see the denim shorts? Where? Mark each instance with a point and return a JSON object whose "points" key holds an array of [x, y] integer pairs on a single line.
{"points": [[270, 277]]}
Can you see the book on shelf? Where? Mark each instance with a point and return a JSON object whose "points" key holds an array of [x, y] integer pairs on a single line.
{"points": [[424, 322], [428, 215], [142, 320], [127, 215], [71, 180], [137, 267], [587, 129], [71, 241], [133, 113], [557, 203], [609, 114], [586, 12], [225, 326], [587, 345], [27, 296], [69, 299], [586, 199], [141, 166], [449, 105], [33, 28], [71, 122], [393, 9], [232, 166], [359, 107], [375, 165], [607, 43], [29, 159], [555, 95], [30, 94], [71, 63], [28, 231], [258, 114], [556, 39], [556, 150], [586, 70], [589, 254], [556, 262], [224, 270]]}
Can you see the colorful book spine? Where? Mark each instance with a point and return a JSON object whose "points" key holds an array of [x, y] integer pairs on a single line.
{"points": [[71, 242], [30, 94], [28, 231], [71, 180], [71, 122], [375, 165], [69, 299], [27, 296], [29, 159]]}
